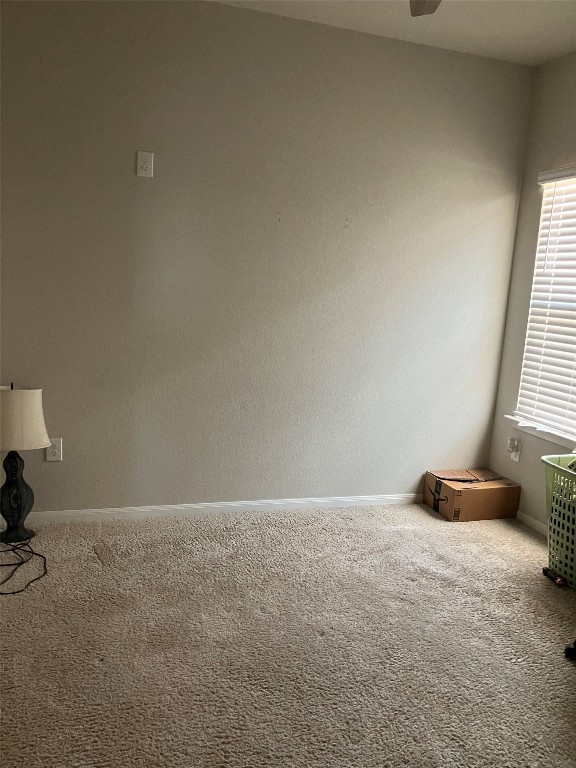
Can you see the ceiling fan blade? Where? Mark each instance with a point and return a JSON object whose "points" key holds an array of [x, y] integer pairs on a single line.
{"points": [[423, 7]]}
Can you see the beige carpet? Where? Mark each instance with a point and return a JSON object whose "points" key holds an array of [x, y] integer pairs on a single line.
{"points": [[375, 637]]}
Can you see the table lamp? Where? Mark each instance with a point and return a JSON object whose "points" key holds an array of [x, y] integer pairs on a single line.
{"points": [[22, 428]]}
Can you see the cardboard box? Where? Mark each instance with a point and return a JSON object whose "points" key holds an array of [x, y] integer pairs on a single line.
{"points": [[470, 494]]}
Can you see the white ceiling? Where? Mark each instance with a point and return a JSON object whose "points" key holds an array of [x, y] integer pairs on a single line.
{"points": [[522, 31]]}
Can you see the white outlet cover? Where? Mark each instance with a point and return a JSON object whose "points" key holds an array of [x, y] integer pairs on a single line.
{"points": [[145, 164], [54, 450]]}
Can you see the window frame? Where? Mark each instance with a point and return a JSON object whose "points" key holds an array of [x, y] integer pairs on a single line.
{"points": [[543, 425]]}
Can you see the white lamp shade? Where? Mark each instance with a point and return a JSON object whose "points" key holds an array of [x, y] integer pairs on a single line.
{"points": [[22, 425]]}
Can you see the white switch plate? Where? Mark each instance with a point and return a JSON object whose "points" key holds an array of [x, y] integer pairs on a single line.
{"points": [[145, 164], [54, 450]]}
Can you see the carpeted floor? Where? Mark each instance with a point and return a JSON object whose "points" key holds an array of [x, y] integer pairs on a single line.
{"points": [[374, 637]]}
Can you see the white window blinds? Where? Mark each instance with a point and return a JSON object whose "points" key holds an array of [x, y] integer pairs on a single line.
{"points": [[547, 394]]}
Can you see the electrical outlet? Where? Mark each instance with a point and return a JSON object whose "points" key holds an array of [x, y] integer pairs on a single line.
{"points": [[54, 450], [514, 447], [145, 164]]}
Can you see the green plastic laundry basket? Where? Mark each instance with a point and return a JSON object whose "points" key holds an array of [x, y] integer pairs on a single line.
{"points": [[561, 504]]}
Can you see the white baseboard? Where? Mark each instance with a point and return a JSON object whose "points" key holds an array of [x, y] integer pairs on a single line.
{"points": [[531, 522], [214, 506]]}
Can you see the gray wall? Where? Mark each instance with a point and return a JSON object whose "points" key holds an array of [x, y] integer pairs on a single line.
{"points": [[309, 297], [552, 143]]}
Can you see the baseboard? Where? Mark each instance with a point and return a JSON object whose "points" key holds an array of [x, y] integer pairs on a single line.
{"points": [[531, 522], [214, 506]]}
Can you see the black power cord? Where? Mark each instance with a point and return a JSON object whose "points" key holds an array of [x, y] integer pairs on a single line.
{"points": [[23, 553]]}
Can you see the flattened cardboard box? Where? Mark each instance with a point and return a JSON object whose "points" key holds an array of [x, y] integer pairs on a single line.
{"points": [[461, 495]]}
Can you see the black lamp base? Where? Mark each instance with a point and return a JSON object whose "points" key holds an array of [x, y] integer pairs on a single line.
{"points": [[16, 500], [16, 535]]}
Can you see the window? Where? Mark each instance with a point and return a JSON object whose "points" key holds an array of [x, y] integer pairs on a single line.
{"points": [[547, 396]]}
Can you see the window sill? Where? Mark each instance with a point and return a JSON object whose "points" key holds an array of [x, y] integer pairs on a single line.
{"points": [[523, 425]]}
